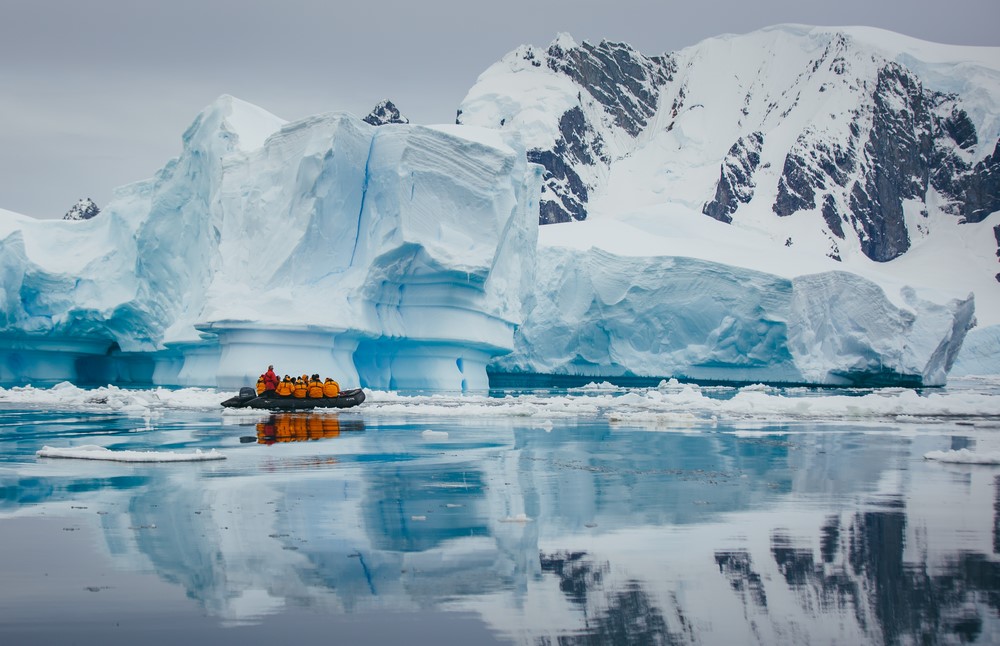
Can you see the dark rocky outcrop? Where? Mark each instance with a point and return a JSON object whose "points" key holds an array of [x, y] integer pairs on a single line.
{"points": [[832, 217], [898, 151], [908, 142], [996, 234], [981, 188], [82, 210], [624, 81], [736, 184], [626, 84], [384, 113], [564, 194]]}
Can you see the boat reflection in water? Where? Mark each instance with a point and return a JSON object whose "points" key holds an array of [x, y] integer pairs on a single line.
{"points": [[300, 427]]}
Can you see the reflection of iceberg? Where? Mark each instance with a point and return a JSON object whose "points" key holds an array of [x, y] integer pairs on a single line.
{"points": [[679, 537], [344, 538]]}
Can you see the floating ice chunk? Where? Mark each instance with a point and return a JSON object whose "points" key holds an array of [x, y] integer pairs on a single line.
{"points": [[94, 452], [434, 435], [964, 456], [418, 517], [516, 518]]}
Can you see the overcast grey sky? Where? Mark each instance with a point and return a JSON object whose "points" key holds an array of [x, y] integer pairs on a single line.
{"points": [[97, 93]]}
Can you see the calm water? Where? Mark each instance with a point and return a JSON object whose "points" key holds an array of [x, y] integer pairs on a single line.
{"points": [[395, 525]]}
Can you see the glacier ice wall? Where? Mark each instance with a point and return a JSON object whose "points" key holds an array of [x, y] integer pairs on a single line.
{"points": [[392, 257], [979, 355], [599, 314], [407, 257]]}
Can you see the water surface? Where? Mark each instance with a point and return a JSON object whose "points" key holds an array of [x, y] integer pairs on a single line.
{"points": [[613, 517]]}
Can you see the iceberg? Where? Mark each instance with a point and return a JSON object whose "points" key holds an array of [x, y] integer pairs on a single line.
{"points": [[598, 314], [401, 257], [391, 256], [980, 354], [94, 452]]}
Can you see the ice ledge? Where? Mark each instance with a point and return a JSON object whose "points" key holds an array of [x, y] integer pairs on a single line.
{"points": [[607, 316]]}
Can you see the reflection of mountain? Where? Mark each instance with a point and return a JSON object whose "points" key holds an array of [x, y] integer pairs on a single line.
{"points": [[625, 615], [737, 567], [853, 581], [862, 571]]}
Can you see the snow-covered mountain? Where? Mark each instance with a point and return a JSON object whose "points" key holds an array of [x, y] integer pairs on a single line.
{"points": [[856, 144], [406, 256]]}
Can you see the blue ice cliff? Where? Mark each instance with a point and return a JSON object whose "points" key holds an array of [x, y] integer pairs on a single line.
{"points": [[393, 256]]}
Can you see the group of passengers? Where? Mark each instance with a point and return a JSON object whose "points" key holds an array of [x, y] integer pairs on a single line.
{"points": [[298, 387]]}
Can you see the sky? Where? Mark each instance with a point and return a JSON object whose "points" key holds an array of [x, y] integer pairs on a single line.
{"points": [[96, 94]]}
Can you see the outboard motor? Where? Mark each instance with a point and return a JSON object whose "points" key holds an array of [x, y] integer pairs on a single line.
{"points": [[239, 401]]}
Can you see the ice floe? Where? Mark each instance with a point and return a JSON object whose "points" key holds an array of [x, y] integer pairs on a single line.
{"points": [[94, 452]]}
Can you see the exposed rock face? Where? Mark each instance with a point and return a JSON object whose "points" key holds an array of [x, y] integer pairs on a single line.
{"points": [[909, 141], [736, 183], [383, 113], [617, 92], [626, 86], [980, 188], [624, 81], [898, 154], [996, 234], [82, 210], [564, 194]]}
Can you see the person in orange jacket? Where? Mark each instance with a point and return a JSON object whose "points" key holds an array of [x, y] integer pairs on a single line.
{"points": [[285, 387], [261, 387], [330, 388], [315, 387], [300, 389]]}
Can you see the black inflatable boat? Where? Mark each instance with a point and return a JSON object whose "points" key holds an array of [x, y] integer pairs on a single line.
{"points": [[248, 398]]}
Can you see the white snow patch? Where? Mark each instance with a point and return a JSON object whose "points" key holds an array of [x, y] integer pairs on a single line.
{"points": [[964, 456], [516, 518]]}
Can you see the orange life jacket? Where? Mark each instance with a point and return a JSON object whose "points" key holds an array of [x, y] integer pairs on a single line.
{"points": [[260, 384], [331, 388], [285, 388], [300, 389], [315, 388]]}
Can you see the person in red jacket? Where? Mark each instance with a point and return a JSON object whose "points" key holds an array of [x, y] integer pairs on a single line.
{"points": [[270, 379]]}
